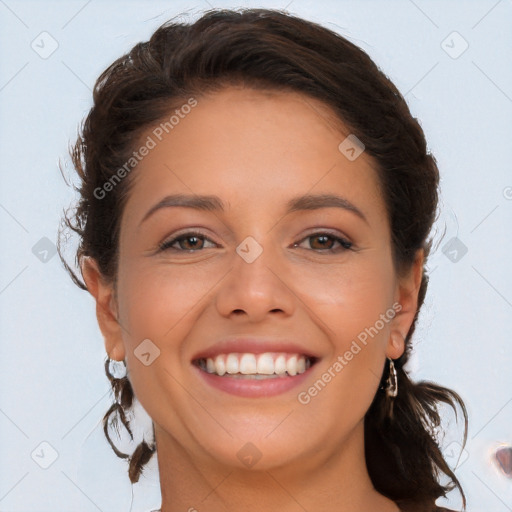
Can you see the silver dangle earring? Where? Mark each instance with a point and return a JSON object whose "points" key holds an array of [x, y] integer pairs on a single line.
{"points": [[392, 381], [391, 389]]}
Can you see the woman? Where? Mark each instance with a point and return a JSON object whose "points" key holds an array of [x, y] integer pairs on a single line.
{"points": [[254, 213]]}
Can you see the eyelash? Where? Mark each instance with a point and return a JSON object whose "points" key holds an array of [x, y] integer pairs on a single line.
{"points": [[167, 245]]}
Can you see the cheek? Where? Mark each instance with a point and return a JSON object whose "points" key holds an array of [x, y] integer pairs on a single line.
{"points": [[162, 304], [159, 302], [355, 305], [348, 298]]}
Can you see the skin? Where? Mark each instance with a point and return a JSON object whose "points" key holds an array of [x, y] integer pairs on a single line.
{"points": [[256, 150]]}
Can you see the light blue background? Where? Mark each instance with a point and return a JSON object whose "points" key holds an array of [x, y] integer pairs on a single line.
{"points": [[52, 383]]}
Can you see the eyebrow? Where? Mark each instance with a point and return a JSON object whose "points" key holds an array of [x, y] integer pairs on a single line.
{"points": [[214, 203]]}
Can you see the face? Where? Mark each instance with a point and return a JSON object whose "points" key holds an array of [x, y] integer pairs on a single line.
{"points": [[266, 277]]}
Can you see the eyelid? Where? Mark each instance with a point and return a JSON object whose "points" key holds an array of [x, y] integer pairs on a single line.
{"points": [[341, 238], [327, 231], [171, 240]]}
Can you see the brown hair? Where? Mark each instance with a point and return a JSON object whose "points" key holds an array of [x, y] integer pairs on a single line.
{"points": [[271, 49]]}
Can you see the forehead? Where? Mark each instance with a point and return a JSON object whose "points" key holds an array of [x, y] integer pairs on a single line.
{"points": [[254, 149]]}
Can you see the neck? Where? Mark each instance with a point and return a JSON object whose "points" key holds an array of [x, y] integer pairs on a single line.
{"points": [[319, 482]]}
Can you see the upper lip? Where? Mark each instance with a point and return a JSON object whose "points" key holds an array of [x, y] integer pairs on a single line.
{"points": [[254, 346]]}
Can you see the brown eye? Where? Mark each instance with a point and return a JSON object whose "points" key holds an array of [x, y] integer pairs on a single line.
{"points": [[324, 242], [189, 242], [327, 242]]}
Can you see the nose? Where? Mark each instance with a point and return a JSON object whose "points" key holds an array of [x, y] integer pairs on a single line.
{"points": [[253, 289]]}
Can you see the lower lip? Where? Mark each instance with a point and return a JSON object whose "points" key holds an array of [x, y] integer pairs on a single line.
{"points": [[254, 388]]}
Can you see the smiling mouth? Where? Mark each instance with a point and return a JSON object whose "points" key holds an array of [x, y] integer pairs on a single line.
{"points": [[268, 365]]}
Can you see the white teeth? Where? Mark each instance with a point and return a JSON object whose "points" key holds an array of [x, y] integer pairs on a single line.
{"points": [[268, 364], [220, 365], [210, 365], [232, 363], [265, 364], [248, 364], [280, 364], [291, 365], [301, 365]]}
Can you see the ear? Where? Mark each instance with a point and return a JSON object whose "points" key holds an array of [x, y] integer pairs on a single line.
{"points": [[406, 294], [106, 308]]}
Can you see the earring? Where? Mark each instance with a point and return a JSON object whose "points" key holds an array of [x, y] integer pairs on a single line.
{"points": [[392, 381], [123, 399], [391, 389]]}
